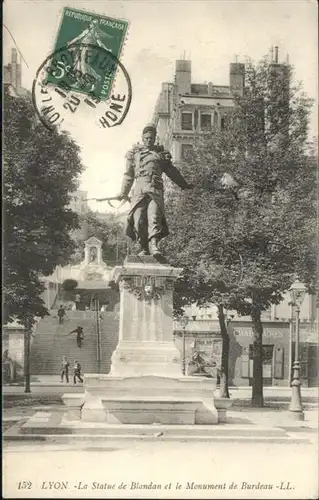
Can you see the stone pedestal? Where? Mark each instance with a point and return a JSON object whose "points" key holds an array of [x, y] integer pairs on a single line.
{"points": [[146, 344], [149, 400], [145, 385]]}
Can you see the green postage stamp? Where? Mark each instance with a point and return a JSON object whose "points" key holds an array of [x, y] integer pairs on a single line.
{"points": [[86, 52]]}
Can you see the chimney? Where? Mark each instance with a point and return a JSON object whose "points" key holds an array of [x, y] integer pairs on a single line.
{"points": [[14, 67], [18, 77], [14, 56], [183, 75], [276, 54], [210, 88], [271, 54], [237, 78]]}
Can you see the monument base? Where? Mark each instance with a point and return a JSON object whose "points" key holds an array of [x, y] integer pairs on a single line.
{"points": [[149, 400], [145, 358], [145, 386]]}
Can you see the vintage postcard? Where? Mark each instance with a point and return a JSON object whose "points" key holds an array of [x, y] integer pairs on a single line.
{"points": [[160, 303]]}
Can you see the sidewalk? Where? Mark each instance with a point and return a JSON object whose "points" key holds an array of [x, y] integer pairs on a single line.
{"points": [[50, 384], [244, 422]]}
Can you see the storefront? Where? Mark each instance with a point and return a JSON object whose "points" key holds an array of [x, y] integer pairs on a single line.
{"points": [[13, 352], [278, 351], [275, 354], [309, 355]]}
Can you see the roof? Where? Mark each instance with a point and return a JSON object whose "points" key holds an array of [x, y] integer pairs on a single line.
{"points": [[93, 241]]}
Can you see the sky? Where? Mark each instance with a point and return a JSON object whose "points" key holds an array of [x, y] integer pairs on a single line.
{"points": [[209, 33]]}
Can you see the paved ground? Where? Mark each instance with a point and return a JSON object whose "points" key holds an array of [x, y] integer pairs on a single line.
{"points": [[42, 470], [18, 404], [50, 384], [180, 470]]}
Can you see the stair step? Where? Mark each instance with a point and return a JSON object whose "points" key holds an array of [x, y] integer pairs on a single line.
{"points": [[99, 433], [52, 341], [98, 428], [99, 440]]}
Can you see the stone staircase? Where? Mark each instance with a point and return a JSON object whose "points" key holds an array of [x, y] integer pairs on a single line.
{"points": [[52, 341]]}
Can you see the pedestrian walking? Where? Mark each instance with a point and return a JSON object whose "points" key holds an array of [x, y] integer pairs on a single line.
{"points": [[61, 314], [79, 335], [77, 301], [65, 369], [77, 372]]}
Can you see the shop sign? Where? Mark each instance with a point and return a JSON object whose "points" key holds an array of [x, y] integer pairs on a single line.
{"points": [[267, 332], [309, 334]]}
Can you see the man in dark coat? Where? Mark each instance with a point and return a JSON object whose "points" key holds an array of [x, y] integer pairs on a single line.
{"points": [[146, 163], [65, 369], [61, 314], [79, 335], [77, 372]]}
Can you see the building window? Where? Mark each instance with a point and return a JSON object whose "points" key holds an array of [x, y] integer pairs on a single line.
{"points": [[266, 314], [222, 123], [187, 121], [205, 122], [272, 363], [185, 151]]}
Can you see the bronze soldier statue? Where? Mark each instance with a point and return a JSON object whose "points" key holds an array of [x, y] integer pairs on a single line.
{"points": [[146, 163]]}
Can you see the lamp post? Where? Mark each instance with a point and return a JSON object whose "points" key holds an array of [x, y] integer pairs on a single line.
{"points": [[184, 322], [297, 294], [291, 330]]}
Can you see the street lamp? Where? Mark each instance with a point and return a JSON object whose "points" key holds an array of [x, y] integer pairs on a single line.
{"points": [[297, 294], [184, 322]]}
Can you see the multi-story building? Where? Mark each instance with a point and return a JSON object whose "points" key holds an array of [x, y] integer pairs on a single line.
{"points": [[183, 110], [278, 341]]}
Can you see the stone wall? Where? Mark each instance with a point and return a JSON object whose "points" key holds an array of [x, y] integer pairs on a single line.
{"points": [[13, 342]]}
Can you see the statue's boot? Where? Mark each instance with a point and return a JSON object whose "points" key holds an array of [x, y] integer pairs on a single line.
{"points": [[144, 250], [154, 250]]}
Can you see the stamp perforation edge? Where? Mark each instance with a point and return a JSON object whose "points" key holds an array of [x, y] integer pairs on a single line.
{"points": [[94, 12]]}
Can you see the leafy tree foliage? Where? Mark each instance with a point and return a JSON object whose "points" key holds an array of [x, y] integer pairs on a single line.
{"points": [[69, 284], [41, 168], [242, 243]]}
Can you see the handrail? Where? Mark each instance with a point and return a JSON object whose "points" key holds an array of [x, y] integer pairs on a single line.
{"points": [[98, 353]]}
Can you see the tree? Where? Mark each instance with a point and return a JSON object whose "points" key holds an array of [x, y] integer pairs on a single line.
{"points": [[41, 168], [207, 278], [69, 284], [106, 227], [250, 239]]}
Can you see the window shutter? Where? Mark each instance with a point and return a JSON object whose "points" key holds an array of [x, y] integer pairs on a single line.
{"points": [[187, 121], [245, 363], [278, 362]]}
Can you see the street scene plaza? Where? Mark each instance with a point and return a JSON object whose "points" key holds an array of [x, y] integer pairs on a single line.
{"points": [[160, 332]]}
